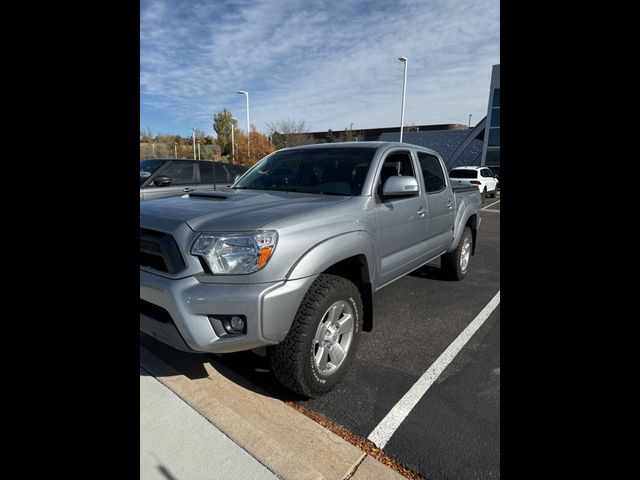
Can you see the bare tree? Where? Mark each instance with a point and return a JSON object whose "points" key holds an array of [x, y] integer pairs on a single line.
{"points": [[289, 133]]}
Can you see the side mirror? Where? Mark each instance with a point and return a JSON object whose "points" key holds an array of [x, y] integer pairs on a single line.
{"points": [[162, 181], [404, 186]]}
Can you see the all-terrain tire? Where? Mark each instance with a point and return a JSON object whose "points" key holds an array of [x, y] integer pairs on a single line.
{"points": [[456, 263], [293, 361]]}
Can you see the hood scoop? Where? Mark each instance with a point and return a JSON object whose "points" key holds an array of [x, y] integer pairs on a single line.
{"points": [[209, 195]]}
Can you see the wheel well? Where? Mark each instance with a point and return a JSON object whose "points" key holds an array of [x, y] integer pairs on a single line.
{"points": [[472, 223], [356, 270]]}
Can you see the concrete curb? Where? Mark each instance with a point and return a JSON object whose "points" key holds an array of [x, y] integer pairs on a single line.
{"points": [[285, 441]]}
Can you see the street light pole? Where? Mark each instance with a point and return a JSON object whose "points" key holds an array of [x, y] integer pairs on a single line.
{"points": [[404, 90], [194, 143], [233, 141], [199, 157], [470, 120], [175, 149], [244, 92]]}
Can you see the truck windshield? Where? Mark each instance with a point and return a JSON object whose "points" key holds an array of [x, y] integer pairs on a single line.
{"points": [[463, 174], [328, 171], [148, 168]]}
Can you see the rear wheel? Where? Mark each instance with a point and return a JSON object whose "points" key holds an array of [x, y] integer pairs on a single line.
{"points": [[493, 194], [455, 264], [322, 340]]}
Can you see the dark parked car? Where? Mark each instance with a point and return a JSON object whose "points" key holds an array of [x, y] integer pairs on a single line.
{"points": [[168, 177]]}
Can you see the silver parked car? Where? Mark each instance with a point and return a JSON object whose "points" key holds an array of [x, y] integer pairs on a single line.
{"points": [[168, 177]]}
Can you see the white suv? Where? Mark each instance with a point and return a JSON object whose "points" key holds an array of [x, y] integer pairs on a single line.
{"points": [[482, 177]]}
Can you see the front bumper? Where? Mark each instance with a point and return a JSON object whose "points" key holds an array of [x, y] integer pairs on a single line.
{"points": [[268, 307]]}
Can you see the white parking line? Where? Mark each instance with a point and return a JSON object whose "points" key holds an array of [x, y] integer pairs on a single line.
{"points": [[389, 424], [490, 205]]}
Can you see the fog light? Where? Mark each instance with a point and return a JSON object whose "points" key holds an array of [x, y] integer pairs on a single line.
{"points": [[228, 325], [237, 323]]}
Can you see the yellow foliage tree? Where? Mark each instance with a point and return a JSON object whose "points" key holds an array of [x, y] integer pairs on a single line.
{"points": [[259, 147]]}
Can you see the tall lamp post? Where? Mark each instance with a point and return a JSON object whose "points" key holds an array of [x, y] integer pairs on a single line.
{"points": [[199, 157], [194, 143], [175, 149], [404, 90], [233, 140], [243, 92], [470, 120]]}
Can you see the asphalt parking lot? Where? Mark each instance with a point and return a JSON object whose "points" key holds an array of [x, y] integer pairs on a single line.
{"points": [[453, 431]]}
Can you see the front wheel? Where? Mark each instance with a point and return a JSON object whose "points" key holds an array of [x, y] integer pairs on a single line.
{"points": [[455, 264], [322, 339]]}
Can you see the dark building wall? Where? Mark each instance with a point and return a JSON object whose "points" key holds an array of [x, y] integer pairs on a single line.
{"points": [[373, 134], [445, 142]]}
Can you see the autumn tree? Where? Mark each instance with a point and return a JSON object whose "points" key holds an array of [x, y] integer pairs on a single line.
{"points": [[260, 147], [222, 124], [289, 133]]}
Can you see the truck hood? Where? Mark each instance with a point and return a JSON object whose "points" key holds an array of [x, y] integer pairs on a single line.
{"points": [[236, 210]]}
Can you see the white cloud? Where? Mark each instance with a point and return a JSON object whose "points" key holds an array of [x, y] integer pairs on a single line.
{"points": [[328, 63]]}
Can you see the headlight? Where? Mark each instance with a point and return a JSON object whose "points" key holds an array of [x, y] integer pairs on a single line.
{"points": [[235, 253]]}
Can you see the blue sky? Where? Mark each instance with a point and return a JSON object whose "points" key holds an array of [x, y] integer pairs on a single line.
{"points": [[329, 63]]}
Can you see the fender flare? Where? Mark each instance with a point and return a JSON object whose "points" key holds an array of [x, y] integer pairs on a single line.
{"points": [[462, 224], [333, 250]]}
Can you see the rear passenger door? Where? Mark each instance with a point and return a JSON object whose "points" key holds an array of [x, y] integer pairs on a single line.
{"points": [[183, 175], [440, 204]]}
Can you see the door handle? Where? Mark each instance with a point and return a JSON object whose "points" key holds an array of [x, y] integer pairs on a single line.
{"points": [[422, 212], [189, 189], [450, 206]]}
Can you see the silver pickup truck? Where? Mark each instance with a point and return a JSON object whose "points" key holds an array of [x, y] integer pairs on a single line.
{"points": [[290, 257]]}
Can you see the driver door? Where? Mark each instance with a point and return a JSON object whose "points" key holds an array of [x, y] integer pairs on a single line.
{"points": [[401, 221]]}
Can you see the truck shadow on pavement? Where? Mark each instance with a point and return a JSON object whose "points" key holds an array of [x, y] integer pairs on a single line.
{"points": [[431, 272], [246, 369]]}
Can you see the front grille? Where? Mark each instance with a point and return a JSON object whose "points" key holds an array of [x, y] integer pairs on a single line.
{"points": [[149, 246], [159, 251], [154, 311]]}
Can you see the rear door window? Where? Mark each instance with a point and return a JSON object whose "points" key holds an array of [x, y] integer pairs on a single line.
{"points": [[432, 172], [207, 170]]}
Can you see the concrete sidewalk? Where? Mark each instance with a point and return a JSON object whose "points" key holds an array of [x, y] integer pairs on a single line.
{"points": [[216, 425], [176, 442]]}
